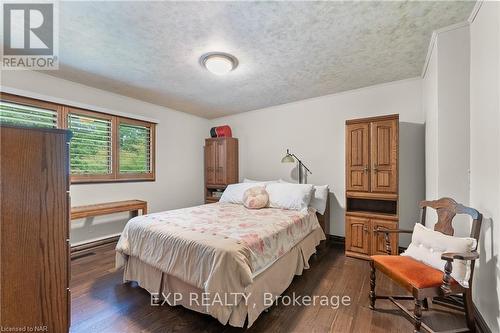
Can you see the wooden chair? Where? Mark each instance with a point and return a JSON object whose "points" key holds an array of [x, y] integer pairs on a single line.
{"points": [[424, 281]]}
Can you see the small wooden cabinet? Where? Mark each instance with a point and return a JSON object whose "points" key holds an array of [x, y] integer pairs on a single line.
{"points": [[372, 149], [361, 238], [221, 166]]}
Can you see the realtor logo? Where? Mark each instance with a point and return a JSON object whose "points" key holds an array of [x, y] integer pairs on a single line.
{"points": [[29, 36]]}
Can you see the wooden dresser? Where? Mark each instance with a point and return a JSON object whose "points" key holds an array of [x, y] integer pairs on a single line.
{"points": [[372, 157], [34, 231], [221, 166]]}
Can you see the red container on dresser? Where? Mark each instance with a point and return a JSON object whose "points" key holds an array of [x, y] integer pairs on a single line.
{"points": [[221, 132]]}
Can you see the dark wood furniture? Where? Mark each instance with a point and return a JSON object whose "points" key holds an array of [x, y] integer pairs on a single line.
{"points": [[424, 281], [34, 231], [372, 149], [221, 166], [324, 220], [132, 206]]}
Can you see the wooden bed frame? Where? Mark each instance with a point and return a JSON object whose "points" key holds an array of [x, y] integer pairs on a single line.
{"points": [[324, 220]]}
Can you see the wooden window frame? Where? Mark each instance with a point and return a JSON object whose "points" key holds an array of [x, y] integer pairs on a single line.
{"points": [[63, 112], [35, 103], [152, 148], [86, 178]]}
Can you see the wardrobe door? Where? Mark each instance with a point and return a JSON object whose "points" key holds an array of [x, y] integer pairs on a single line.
{"points": [[221, 165], [210, 161], [357, 234], [378, 239], [357, 157], [384, 151]]}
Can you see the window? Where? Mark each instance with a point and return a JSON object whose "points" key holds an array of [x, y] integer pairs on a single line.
{"points": [[91, 145], [104, 147], [135, 148], [16, 114]]}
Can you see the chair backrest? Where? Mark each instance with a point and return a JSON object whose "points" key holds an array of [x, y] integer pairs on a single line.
{"points": [[446, 209]]}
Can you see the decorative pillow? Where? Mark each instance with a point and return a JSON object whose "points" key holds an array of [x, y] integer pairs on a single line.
{"points": [[319, 198], [255, 197], [234, 192], [428, 245], [289, 196]]}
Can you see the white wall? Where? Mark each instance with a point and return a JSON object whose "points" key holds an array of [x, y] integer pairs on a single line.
{"points": [[485, 155], [179, 167], [446, 108], [453, 103], [461, 101], [314, 130], [430, 108]]}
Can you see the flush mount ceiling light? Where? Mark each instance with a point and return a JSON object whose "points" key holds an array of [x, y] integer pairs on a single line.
{"points": [[219, 63]]}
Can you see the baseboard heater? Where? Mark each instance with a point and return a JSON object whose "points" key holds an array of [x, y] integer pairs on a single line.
{"points": [[81, 248]]}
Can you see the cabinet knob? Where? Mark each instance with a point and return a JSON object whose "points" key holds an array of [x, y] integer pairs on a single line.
{"points": [[375, 167], [366, 168]]}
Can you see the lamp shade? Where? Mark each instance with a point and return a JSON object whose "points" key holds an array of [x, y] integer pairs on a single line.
{"points": [[288, 159]]}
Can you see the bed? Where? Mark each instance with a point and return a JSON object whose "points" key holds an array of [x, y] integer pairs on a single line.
{"points": [[220, 259]]}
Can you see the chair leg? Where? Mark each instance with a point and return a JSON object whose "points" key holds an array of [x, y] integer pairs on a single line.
{"points": [[418, 315], [373, 297], [426, 303], [469, 311]]}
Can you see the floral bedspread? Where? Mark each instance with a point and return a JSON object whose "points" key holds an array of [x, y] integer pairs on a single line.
{"points": [[268, 233]]}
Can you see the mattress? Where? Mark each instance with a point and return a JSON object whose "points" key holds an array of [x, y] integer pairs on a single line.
{"points": [[218, 248], [271, 282]]}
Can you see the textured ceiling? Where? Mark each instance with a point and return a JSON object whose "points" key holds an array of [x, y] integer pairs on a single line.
{"points": [[287, 51]]}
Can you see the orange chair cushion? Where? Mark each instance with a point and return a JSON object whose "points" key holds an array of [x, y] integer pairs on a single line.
{"points": [[409, 272]]}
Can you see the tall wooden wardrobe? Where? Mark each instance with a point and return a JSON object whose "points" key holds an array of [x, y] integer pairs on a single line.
{"points": [[221, 166], [34, 229], [372, 159]]}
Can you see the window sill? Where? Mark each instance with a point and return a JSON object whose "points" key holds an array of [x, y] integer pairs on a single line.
{"points": [[112, 180]]}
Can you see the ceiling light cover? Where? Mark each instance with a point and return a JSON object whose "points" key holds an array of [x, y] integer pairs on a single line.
{"points": [[219, 63]]}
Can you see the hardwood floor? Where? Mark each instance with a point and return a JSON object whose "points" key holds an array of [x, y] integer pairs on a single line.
{"points": [[102, 303]]}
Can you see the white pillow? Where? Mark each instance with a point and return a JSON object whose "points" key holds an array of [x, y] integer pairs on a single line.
{"points": [[289, 196], [234, 192], [246, 180], [319, 198], [428, 245]]}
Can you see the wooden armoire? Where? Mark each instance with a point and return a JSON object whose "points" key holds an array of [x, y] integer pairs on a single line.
{"points": [[221, 166], [34, 229], [372, 159]]}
